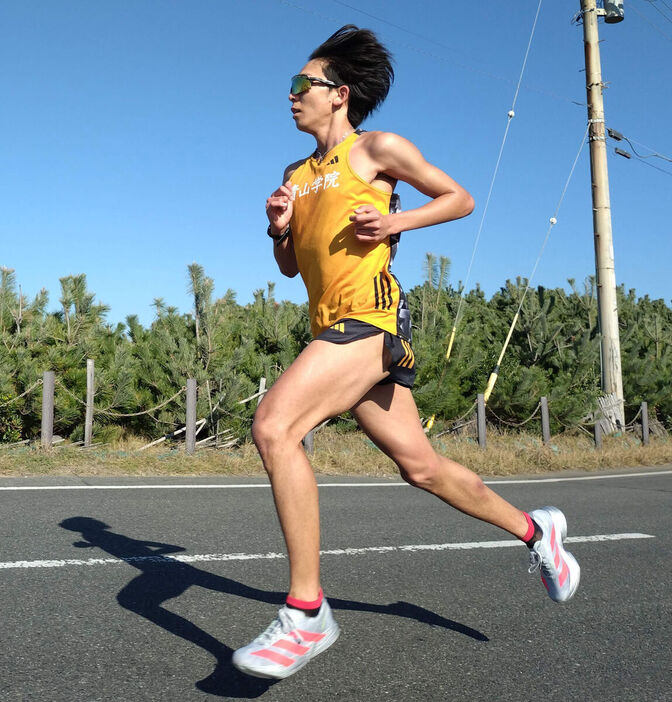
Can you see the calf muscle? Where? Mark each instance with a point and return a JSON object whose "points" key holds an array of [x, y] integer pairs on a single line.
{"points": [[390, 418]]}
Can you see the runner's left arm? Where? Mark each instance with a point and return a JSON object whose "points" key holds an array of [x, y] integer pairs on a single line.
{"points": [[398, 158]]}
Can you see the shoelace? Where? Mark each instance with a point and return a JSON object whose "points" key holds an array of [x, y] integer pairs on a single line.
{"points": [[537, 562], [282, 624]]}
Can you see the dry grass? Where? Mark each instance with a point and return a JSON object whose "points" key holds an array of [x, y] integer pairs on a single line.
{"points": [[338, 453]]}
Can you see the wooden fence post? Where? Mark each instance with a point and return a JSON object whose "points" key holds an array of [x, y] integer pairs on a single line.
{"points": [[191, 417], [309, 442], [48, 383], [545, 422], [645, 423], [480, 422], [262, 388], [598, 435], [88, 421]]}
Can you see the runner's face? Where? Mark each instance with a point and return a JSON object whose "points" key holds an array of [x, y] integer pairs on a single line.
{"points": [[313, 107]]}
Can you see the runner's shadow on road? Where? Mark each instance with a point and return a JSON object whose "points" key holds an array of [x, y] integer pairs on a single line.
{"points": [[163, 578]]}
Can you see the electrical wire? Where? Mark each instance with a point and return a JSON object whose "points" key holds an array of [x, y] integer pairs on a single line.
{"points": [[649, 22], [553, 220], [662, 170], [453, 61], [655, 154], [651, 165], [392, 24], [511, 114], [642, 157], [659, 11]]}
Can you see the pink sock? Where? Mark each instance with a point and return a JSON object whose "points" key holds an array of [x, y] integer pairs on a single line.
{"points": [[530, 528], [303, 604]]}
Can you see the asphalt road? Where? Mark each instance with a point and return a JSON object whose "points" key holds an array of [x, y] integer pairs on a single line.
{"points": [[78, 623]]}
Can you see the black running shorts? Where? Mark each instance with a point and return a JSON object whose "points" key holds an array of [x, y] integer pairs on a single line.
{"points": [[402, 367]]}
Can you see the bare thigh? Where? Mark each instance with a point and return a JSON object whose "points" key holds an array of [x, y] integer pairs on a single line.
{"points": [[325, 380], [389, 416]]}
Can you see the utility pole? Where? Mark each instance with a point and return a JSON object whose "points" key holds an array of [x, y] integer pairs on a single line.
{"points": [[612, 380]]}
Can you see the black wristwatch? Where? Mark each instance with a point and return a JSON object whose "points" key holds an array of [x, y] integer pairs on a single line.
{"points": [[280, 237]]}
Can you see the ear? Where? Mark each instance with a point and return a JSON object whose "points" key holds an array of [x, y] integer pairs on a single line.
{"points": [[343, 95]]}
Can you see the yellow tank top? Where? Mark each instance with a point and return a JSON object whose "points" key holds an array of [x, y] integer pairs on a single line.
{"points": [[344, 277]]}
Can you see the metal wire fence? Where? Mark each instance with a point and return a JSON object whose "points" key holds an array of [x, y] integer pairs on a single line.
{"points": [[474, 419]]}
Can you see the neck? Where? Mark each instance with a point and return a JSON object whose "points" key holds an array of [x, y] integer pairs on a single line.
{"points": [[332, 135]]}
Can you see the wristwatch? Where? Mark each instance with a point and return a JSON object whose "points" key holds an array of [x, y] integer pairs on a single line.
{"points": [[278, 239]]}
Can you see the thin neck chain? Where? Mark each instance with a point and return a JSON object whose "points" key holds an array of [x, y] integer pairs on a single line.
{"points": [[319, 156]]}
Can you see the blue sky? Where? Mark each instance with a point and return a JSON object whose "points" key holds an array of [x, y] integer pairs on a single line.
{"points": [[138, 136]]}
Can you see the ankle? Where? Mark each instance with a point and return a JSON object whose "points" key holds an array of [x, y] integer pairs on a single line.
{"points": [[533, 533], [309, 607]]}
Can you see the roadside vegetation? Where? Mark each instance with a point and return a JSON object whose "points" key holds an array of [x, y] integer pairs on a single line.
{"points": [[228, 347], [339, 452]]}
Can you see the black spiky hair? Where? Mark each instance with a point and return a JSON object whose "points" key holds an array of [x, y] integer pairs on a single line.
{"points": [[354, 57]]}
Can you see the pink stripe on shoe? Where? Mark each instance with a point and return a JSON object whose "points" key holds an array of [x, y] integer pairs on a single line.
{"points": [[292, 647], [556, 550], [275, 657], [563, 574], [310, 636]]}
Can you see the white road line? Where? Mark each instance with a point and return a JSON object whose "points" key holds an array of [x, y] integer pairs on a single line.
{"points": [[215, 486], [579, 477], [200, 558]]}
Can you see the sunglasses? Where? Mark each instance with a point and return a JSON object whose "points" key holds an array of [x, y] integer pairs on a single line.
{"points": [[302, 82]]}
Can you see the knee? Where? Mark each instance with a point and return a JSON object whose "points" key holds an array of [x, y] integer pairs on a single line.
{"points": [[264, 434], [422, 473], [273, 439], [435, 472]]}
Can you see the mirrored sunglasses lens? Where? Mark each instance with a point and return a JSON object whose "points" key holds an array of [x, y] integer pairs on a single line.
{"points": [[299, 85]]}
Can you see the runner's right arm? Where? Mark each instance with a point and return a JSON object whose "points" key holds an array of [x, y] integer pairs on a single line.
{"points": [[279, 208]]}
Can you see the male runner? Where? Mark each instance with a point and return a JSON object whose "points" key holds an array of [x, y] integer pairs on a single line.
{"points": [[331, 222]]}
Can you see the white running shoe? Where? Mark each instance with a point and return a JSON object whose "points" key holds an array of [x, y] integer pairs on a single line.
{"points": [[560, 571], [291, 640]]}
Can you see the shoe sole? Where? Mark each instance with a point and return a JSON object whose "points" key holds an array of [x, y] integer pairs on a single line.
{"points": [[560, 522], [281, 673]]}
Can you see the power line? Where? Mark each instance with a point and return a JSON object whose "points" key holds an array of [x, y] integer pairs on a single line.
{"points": [[617, 136], [655, 154], [473, 68], [649, 22], [511, 114], [646, 163], [642, 160], [662, 170], [552, 221], [392, 24], [659, 11]]}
